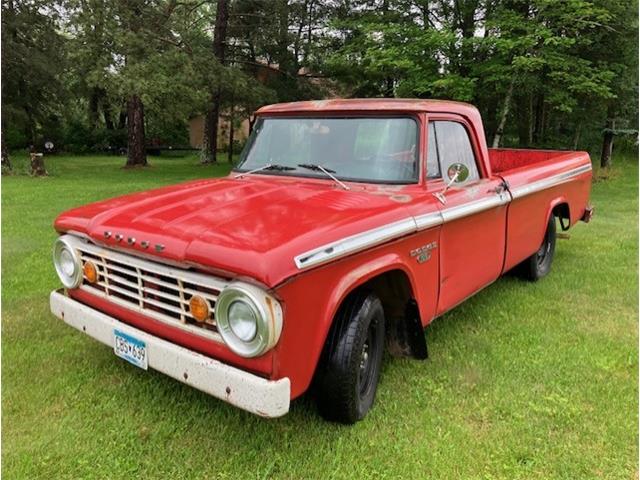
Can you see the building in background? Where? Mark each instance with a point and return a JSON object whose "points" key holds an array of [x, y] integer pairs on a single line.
{"points": [[263, 74], [196, 131]]}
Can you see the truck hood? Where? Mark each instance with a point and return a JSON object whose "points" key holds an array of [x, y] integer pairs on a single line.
{"points": [[251, 227]]}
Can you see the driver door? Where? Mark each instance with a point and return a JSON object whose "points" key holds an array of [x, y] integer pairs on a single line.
{"points": [[472, 237]]}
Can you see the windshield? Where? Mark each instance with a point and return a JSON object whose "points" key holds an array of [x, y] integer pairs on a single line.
{"points": [[377, 150]]}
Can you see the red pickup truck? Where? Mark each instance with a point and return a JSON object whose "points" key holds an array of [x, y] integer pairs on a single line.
{"points": [[347, 226]]}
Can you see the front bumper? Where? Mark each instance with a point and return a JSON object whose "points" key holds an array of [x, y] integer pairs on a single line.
{"points": [[267, 398]]}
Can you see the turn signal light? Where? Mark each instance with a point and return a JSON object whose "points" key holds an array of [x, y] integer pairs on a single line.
{"points": [[199, 308], [90, 272]]}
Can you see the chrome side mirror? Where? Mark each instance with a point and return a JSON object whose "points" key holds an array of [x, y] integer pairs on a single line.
{"points": [[457, 173]]}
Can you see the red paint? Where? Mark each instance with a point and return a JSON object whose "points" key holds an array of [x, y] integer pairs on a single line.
{"points": [[252, 228]]}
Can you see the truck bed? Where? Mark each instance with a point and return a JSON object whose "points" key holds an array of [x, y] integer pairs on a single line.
{"points": [[540, 182], [504, 159]]}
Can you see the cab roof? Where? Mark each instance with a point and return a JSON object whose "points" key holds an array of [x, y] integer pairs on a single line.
{"points": [[354, 105]]}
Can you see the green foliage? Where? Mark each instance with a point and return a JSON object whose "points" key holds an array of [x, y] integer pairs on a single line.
{"points": [[562, 70], [541, 57], [32, 63]]}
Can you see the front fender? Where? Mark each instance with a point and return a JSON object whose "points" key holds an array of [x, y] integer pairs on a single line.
{"points": [[311, 300], [360, 275]]}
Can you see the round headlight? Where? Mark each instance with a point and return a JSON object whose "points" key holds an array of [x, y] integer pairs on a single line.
{"points": [[67, 263], [242, 320], [248, 319]]}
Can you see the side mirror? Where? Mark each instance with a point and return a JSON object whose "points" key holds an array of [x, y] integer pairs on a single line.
{"points": [[457, 173]]}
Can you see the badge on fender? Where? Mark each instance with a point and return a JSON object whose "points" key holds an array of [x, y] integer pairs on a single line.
{"points": [[423, 253]]}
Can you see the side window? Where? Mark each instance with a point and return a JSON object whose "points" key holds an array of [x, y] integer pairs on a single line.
{"points": [[433, 162], [454, 146]]}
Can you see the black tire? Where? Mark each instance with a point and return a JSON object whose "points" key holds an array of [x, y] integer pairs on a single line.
{"points": [[538, 265], [349, 369]]}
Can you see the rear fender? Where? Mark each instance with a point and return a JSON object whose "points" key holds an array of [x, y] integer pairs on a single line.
{"points": [[552, 206]]}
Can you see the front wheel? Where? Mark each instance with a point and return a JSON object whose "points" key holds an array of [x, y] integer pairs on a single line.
{"points": [[347, 376], [538, 265]]}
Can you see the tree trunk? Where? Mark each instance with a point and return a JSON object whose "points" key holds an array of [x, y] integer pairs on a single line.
{"points": [[490, 116], [530, 137], [210, 141], [136, 152], [307, 48], [106, 113], [94, 113], [207, 155], [231, 130], [538, 129], [607, 144], [523, 119], [6, 161], [282, 11], [37, 163], [122, 118], [503, 115], [576, 135]]}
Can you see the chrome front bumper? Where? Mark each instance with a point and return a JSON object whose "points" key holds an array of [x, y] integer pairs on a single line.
{"points": [[267, 398]]}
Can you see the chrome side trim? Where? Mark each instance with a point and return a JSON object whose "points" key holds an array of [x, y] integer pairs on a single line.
{"points": [[543, 184], [461, 211], [377, 236], [429, 220], [355, 243]]}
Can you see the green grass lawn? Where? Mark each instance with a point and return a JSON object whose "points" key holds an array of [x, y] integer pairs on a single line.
{"points": [[523, 381]]}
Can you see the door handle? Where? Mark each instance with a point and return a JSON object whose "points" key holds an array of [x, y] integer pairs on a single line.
{"points": [[502, 187]]}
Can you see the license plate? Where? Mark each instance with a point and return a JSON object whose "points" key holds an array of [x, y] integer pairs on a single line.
{"points": [[131, 349]]}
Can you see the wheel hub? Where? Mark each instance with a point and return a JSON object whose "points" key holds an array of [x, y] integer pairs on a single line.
{"points": [[365, 356]]}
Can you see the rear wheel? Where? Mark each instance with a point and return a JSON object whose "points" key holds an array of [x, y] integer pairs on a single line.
{"points": [[347, 376], [538, 265]]}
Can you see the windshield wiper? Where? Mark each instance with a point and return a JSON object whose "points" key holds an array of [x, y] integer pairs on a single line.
{"points": [[269, 166], [328, 172]]}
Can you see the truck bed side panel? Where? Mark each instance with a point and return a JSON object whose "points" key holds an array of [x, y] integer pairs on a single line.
{"points": [[537, 186]]}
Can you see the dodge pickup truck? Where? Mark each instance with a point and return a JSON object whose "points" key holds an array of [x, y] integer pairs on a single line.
{"points": [[346, 227]]}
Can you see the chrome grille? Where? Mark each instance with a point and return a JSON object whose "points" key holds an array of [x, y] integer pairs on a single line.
{"points": [[153, 289]]}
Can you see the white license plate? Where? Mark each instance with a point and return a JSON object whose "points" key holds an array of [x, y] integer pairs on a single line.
{"points": [[131, 349]]}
